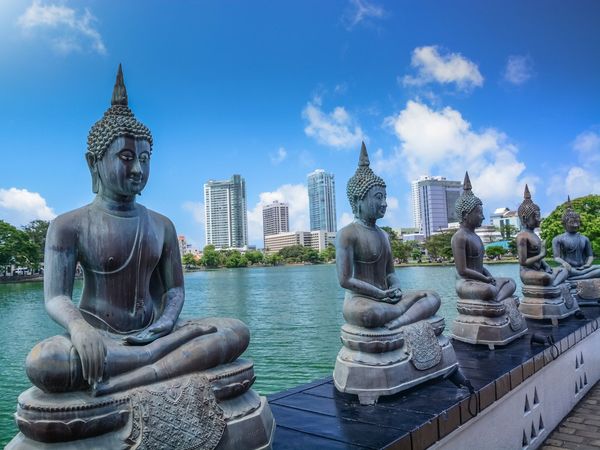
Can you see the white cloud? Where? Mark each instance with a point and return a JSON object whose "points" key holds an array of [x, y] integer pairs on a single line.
{"points": [[432, 66], [336, 129], [295, 195], [345, 219], [361, 10], [443, 142], [278, 157], [19, 206], [65, 28], [582, 178], [518, 69], [587, 145], [197, 210]]}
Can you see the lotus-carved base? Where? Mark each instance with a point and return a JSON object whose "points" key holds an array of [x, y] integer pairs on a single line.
{"points": [[586, 292], [214, 408], [548, 302], [488, 323], [376, 362]]}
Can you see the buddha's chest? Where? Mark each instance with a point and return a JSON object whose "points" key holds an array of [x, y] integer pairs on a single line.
{"points": [[372, 248], [534, 244], [116, 244], [475, 248], [572, 244]]}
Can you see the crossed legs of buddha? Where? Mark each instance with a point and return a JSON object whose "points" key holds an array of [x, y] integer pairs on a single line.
{"points": [[477, 290]]}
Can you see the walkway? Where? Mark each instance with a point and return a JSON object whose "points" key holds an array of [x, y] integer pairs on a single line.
{"points": [[580, 430]]}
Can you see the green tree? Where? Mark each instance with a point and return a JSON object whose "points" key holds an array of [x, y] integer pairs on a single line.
{"points": [[292, 254], [37, 230], [273, 259], [234, 258], [438, 245], [589, 209], [210, 257], [328, 253], [311, 255], [495, 250], [254, 256], [189, 260], [507, 231], [16, 247]]}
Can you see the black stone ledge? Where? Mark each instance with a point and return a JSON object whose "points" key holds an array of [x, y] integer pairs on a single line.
{"points": [[316, 415]]}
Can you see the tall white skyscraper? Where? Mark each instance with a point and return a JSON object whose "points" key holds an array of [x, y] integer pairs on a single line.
{"points": [[433, 200], [226, 214], [276, 218], [321, 201]]}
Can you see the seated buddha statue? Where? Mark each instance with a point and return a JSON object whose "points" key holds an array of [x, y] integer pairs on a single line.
{"points": [[487, 306], [365, 263], [475, 281], [125, 332], [573, 251], [545, 293], [531, 249], [392, 339]]}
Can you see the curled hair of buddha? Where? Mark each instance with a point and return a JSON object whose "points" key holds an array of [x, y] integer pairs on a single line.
{"points": [[467, 200], [118, 121], [569, 213], [362, 180], [527, 207]]}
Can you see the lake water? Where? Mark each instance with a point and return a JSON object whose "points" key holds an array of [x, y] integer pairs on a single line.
{"points": [[294, 314]]}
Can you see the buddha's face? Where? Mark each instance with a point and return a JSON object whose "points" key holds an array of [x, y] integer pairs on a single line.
{"points": [[373, 205], [474, 218], [572, 223], [124, 169], [534, 219]]}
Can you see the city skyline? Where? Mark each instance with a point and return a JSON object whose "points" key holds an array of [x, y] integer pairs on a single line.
{"points": [[507, 91], [226, 213]]}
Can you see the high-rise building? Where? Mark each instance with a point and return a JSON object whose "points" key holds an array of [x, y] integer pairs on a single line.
{"points": [[276, 218], [433, 200], [226, 216], [321, 201]]}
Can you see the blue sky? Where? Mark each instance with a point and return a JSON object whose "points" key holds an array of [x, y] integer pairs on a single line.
{"points": [[274, 90]]}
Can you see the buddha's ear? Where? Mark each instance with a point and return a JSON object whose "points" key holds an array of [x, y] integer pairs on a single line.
{"points": [[93, 166]]}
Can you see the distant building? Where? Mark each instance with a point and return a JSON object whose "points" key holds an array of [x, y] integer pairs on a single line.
{"points": [[319, 240], [184, 247], [504, 216], [321, 201], [488, 234], [226, 213], [276, 218], [433, 200]]}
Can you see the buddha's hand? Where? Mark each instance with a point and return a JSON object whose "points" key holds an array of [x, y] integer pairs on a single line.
{"points": [[160, 328], [568, 266], [91, 350], [393, 295], [491, 280]]}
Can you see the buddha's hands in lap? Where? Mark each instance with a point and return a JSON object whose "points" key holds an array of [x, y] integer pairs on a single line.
{"points": [[91, 350], [393, 296], [160, 328]]}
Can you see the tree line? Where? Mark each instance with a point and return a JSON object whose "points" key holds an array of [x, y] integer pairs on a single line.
{"points": [[22, 247]]}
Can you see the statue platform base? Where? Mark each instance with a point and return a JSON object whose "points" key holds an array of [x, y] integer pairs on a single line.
{"points": [[375, 362], [586, 292], [212, 409], [488, 323], [548, 302]]}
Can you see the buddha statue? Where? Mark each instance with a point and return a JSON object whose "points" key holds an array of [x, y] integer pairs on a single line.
{"points": [[486, 304], [125, 346], [382, 354], [573, 251], [545, 295]]}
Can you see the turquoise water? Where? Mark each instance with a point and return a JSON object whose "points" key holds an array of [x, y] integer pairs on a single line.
{"points": [[294, 314]]}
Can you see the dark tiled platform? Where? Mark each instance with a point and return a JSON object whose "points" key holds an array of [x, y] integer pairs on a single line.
{"points": [[316, 415]]}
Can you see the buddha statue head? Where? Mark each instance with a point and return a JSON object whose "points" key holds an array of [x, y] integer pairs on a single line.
{"points": [[119, 148], [366, 191], [468, 207], [571, 219], [529, 212]]}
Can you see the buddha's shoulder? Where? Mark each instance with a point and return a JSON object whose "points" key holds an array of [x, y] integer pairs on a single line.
{"points": [[160, 219], [71, 219]]}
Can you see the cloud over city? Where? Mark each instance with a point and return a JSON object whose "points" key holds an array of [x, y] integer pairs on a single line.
{"points": [[441, 141], [518, 70], [450, 68], [66, 29], [20, 206], [295, 195], [337, 129], [359, 11]]}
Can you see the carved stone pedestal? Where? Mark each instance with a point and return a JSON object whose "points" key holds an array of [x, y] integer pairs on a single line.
{"points": [[488, 323], [586, 292], [548, 302], [212, 409], [377, 361]]}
